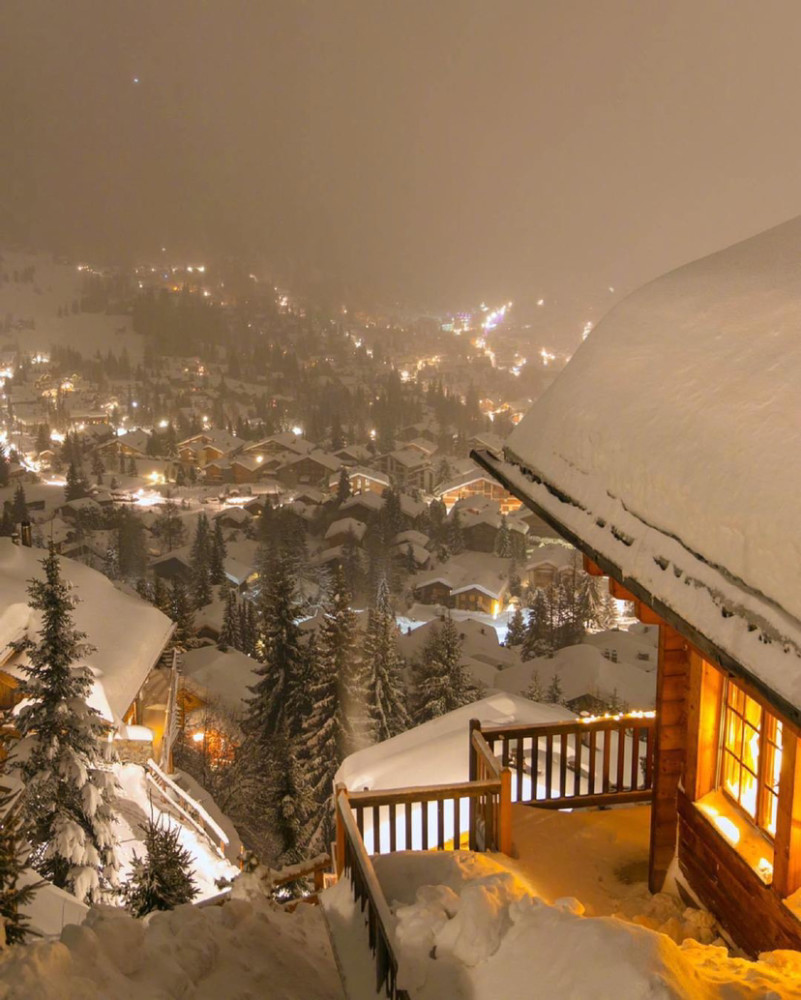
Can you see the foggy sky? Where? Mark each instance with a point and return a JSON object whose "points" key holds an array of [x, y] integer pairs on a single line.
{"points": [[444, 150]]}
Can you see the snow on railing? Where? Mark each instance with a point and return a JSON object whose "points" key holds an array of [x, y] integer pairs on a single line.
{"points": [[187, 807]]}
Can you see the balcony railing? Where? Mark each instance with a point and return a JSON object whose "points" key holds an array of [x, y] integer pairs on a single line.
{"points": [[564, 765]]}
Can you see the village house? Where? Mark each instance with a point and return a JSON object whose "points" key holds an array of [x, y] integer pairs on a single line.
{"points": [[361, 480], [676, 479], [120, 669], [476, 483]]}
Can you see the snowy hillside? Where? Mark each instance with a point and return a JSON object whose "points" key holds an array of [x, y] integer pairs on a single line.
{"points": [[29, 310]]}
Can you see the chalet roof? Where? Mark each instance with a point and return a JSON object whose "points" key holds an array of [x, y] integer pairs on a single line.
{"points": [[128, 633], [468, 571], [369, 500], [346, 526], [667, 448]]}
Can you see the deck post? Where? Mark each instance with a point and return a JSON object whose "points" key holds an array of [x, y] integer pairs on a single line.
{"points": [[505, 813], [472, 775], [340, 844]]}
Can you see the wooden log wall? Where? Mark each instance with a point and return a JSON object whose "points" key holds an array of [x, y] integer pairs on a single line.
{"points": [[672, 695]]}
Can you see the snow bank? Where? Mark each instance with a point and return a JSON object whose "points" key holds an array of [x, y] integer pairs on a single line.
{"points": [[246, 948], [471, 930]]}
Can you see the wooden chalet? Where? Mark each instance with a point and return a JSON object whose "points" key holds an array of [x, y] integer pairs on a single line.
{"points": [[477, 484], [665, 452]]}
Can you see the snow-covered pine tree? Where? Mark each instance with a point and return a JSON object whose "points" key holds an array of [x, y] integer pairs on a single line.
{"points": [[554, 693], [200, 557], [180, 610], [280, 654], [218, 552], [516, 633], [338, 708], [535, 691], [289, 803], [601, 607], [229, 633], [386, 695], [442, 681], [540, 638], [20, 504], [162, 879], [503, 540], [13, 861], [68, 798], [76, 485], [343, 486], [455, 536]]}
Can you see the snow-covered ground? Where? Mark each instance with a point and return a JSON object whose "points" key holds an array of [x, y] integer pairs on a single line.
{"points": [[468, 928], [246, 949]]}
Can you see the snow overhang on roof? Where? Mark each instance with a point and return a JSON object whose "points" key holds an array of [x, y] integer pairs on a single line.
{"points": [[667, 450]]}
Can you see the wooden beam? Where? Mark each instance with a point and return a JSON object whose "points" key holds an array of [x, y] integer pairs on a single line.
{"points": [[703, 726], [672, 681], [618, 591], [787, 844], [592, 568]]}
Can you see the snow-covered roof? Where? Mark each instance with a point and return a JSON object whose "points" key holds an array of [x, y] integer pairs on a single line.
{"points": [[225, 677], [129, 634], [668, 448], [435, 752]]}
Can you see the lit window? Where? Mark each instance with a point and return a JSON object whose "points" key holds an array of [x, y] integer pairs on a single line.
{"points": [[752, 754]]}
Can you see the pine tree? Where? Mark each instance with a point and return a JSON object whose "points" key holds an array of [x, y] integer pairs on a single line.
{"points": [[386, 695], [13, 861], [20, 505], [161, 880], [76, 486], [288, 801], [503, 540], [535, 691], [131, 548], [217, 555], [442, 681], [540, 639], [169, 527], [343, 486], [5, 470], [98, 468], [516, 633], [200, 557], [554, 693], [230, 631], [280, 654], [180, 610], [455, 536], [328, 734], [68, 799]]}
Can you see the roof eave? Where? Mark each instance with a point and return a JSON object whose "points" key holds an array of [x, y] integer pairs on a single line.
{"points": [[709, 649]]}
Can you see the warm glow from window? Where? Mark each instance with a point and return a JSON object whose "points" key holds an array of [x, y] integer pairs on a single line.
{"points": [[752, 753]]}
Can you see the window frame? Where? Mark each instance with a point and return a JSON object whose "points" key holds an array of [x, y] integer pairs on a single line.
{"points": [[769, 733]]}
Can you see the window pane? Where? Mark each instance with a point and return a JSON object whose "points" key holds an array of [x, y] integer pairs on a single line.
{"points": [[753, 712]]}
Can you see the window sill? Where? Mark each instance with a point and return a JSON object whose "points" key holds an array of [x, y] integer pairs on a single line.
{"points": [[752, 846]]}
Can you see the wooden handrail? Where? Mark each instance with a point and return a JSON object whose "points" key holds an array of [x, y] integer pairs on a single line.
{"points": [[423, 793], [603, 722], [484, 752], [355, 861]]}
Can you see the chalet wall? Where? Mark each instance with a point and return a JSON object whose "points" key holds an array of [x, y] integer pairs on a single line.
{"points": [[750, 911]]}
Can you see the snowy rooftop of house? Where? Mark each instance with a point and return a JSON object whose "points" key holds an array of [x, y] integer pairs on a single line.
{"points": [[128, 633], [669, 447], [434, 752]]}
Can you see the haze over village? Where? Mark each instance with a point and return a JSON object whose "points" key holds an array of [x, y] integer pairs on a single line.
{"points": [[398, 564]]}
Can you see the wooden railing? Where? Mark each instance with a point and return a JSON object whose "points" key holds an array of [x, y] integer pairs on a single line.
{"points": [[579, 763], [574, 764], [175, 799], [354, 861]]}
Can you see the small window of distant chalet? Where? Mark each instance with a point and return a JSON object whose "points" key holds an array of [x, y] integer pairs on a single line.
{"points": [[751, 748]]}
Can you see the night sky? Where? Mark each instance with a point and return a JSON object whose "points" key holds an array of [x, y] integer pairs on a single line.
{"points": [[441, 151]]}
